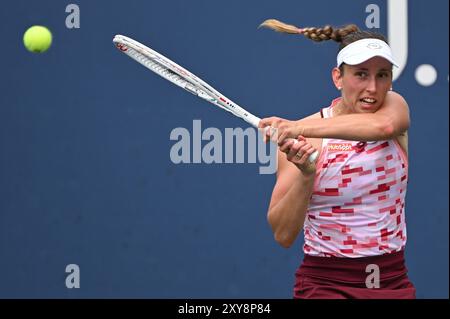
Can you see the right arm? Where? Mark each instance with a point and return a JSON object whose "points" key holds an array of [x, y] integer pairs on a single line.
{"points": [[291, 194]]}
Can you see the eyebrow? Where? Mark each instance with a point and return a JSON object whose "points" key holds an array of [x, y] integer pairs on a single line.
{"points": [[366, 69]]}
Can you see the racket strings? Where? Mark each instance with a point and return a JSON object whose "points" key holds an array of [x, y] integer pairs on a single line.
{"points": [[197, 87], [157, 68], [173, 77]]}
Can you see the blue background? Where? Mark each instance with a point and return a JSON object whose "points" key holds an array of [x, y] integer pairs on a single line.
{"points": [[85, 172]]}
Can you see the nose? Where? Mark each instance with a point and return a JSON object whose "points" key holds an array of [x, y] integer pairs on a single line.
{"points": [[372, 85]]}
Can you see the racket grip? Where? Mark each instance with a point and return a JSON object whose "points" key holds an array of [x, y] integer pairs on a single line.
{"points": [[251, 119], [313, 157]]}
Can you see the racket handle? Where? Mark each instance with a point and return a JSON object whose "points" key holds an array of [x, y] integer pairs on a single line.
{"points": [[313, 157], [251, 119]]}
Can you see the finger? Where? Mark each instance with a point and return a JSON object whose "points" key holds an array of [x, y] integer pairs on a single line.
{"points": [[294, 150], [264, 122], [306, 147], [265, 133], [274, 134], [304, 152], [308, 152], [288, 132], [285, 135], [268, 133], [267, 121], [287, 145], [305, 158], [285, 148], [311, 150], [282, 137], [302, 156]]}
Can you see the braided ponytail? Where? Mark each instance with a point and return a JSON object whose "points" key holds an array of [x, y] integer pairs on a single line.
{"points": [[344, 35], [279, 26], [315, 34], [329, 33]]}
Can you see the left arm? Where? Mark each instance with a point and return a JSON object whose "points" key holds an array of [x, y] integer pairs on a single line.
{"points": [[391, 120]]}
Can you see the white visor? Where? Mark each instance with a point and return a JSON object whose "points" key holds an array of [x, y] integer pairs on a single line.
{"points": [[363, 50]]}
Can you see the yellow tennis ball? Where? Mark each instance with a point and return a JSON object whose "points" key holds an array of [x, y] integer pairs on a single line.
{"points": [[37, 39]]}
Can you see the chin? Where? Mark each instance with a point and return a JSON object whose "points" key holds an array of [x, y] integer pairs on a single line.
{"points": [[368, 108]]}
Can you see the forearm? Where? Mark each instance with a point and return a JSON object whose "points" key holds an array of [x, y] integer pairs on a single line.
{"points": [[355, 127], [287, 216]]}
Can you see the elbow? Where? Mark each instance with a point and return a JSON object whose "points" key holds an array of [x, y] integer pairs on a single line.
{"points": [[392, 119], [386, 129], [284, 239], [389, 130], [282, 236]]}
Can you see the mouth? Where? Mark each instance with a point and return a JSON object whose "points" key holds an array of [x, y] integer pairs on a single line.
{"points": [[368, 101]]}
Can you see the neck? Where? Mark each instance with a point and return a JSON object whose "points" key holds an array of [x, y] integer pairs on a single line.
{"points": [[340, 108]]}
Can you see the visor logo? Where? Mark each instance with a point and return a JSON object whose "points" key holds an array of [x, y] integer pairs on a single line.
{"points": [[374, 46]]}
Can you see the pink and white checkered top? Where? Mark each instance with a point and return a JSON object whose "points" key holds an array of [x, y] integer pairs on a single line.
{"points": [[357, 208]]}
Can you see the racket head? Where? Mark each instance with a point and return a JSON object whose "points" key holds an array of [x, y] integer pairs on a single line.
{"points": [[178, 75], [124, 43]]}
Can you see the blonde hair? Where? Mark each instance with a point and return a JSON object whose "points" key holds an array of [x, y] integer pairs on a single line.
{"points": [[344, 35]]}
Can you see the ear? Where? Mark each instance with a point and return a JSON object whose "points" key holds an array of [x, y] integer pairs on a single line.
{"points": [[337, 78]]}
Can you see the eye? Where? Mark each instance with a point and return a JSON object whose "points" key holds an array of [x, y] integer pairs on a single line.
{"points": [[383, 75], [361, 74]]}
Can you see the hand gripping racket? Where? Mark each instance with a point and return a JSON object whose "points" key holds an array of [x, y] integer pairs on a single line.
{"points": [[181, 77]]}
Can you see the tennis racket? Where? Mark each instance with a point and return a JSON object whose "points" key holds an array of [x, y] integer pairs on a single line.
{"points": [[181, 77]]}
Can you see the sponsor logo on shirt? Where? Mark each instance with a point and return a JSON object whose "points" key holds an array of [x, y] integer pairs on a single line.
{"points": [[340, 147]]}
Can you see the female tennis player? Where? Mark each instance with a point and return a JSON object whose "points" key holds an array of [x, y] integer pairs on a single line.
{"points": [[351, 201]]}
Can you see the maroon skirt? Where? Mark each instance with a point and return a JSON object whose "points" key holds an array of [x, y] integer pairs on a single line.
{"points": [[377, 277]]}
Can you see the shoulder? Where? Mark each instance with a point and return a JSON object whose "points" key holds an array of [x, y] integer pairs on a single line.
{"points": [[394, 98], [396, 112]]}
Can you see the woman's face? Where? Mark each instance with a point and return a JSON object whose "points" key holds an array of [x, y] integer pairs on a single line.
{"points": [[364, 86]]}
